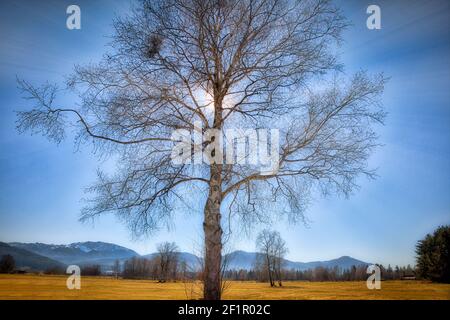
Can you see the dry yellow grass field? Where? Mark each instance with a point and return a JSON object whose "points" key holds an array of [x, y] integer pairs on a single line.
{"points": [[54, 287]]}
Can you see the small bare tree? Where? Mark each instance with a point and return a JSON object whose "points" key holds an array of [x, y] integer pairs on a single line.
{"points": [[271, 252], [7, 264], [222, 63], [116, 268], [168, 260]]}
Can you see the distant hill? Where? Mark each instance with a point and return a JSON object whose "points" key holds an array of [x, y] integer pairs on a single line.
{"points": [[27, 259], [344, 262], [240, 260], [80, 253], [246, 260], [105, 254]]}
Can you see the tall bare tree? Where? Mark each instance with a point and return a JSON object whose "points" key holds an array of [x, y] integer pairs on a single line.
{"points": [[223, 64]]}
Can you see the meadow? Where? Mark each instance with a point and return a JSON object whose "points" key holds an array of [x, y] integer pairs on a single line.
{"points": [[54, 288]]}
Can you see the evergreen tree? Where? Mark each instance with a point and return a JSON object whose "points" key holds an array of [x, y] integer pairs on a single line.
{"points": [[433, 257]]}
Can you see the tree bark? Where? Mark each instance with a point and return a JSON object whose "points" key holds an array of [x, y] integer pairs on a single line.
{"points": [[269, 270], [213, 237]]}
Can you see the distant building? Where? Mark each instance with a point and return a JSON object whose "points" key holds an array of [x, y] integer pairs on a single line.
{"points": [[22, 270]]}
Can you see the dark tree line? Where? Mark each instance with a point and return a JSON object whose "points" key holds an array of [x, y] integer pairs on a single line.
{"points": [[139, 268], [91, 270], [173, 270], [355, 273]]}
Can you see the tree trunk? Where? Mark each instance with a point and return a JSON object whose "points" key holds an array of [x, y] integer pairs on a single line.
{"points": [[213, 237], [269, 270], [278, 271]]}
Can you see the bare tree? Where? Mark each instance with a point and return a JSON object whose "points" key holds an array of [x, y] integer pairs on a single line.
{"points": [[7, 264], [116, 268], [168, 260], [271, 249], [260, 267], [222, 64]]}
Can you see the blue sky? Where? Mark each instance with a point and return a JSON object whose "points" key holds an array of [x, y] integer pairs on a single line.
{"points": [[42, 184]]}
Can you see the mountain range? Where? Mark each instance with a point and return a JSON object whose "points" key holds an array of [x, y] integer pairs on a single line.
{"points": [[80, 253], [29, 260], [246, 260], [41, 256]]}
